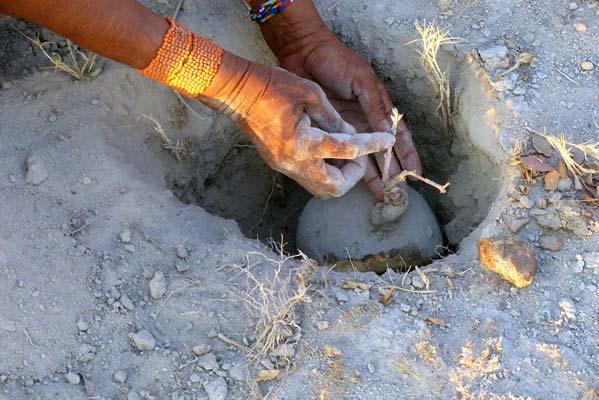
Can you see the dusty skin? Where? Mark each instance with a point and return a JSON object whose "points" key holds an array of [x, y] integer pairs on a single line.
{"points": [[79, 250]]}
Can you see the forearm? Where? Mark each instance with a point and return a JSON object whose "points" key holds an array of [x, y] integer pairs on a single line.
{"points": [[293, 28], [122, 30]]}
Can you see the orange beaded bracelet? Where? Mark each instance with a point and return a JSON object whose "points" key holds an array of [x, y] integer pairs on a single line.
{"points": [[185, 61]]}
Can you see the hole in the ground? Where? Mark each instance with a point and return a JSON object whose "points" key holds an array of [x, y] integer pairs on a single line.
{"points": [[267, 205]]}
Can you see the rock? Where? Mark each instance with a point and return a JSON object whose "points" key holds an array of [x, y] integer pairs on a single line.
{"points": [[157, 285], [322, 325], [181, 267], [201, 349], [516, 225], [82, 325], [591, 260], [126, 302], [182, 252], [326, 235], [578, 267], [195, 378], [515, 260], [573, 6], [72, 378], [86, 353], [237, 371], [580, 27], [417, 282], [36, 172], [216, 389], [143, 340], [208, 362], [493, 57], [120, 376], [541, 145], [129, 248], [564, 185], [549, 242], [125, 236], [552, 180], [587, 66], [564, 215]]}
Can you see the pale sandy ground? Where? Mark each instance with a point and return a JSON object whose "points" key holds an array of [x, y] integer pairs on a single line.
{"points": [[73, 289]]}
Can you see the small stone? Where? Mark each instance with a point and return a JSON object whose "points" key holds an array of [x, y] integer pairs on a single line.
{"points": [[82, 325], [587, 66], [52, 117], [143, 340], [36, 172], [216, 389], [208, 362], [516, 225], [526, 202], [126, 302], [417, 282], [72, 378], [564, 185], [580, 27], [541, 145], [95, 102], [515, 260], [120, 376], [552, 180], [6, 85], [578, 267], [237, 371], [405, 307], [86, 180], [125, 236], [493, 57], [182, 267], [195, 378], [591, 260], [157, 285], [322, 325], [129, 248], [573, 6], [549, 242], [182, 251], [201, 349]]}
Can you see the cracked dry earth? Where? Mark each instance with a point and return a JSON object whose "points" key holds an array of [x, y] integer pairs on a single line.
{"points": [[115, 285]]}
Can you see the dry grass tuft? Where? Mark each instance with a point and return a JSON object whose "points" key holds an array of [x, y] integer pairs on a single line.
{"points": [[431, 40], [584, 171], [80, 65], [273, 301], [180, 149]]}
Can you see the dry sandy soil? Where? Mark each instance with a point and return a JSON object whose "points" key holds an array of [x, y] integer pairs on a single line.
{"points": [[125, 272]]}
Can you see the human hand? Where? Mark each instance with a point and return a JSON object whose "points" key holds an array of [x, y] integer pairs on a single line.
{"points": [[357, 94], [277, 109]]}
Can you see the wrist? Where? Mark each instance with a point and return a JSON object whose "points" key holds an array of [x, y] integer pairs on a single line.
{"points": [[297, 28]]}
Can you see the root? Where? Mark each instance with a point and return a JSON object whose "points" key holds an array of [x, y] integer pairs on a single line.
{"points": [[180, 149]]}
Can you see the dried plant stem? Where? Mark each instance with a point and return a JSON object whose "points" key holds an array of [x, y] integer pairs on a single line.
{"points": [[403, 175], [395, 118]]}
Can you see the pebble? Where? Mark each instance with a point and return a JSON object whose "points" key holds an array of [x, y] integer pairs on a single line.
{"points": [[120, 376], [129, 248], [208, 362], [125, 236], [143, 340], [201, 349], [182, 267], [405, 307], [195, 378], [52, 118], [549, 242], [36, 171], [182, 251], [157, 285], [72, 378], [578, 267], [126, 302], [587, 66], [515, 260], [573, 6], [322, 325], [216, 389], [237, 371], [564, 185], [82, 325], [417, 282], [565, 336], [493, 57], [591, 260], [516, 225], [580, 27]]}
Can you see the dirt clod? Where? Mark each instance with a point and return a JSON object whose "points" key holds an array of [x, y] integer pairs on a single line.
{"points": [[515, 260], [143, 340]]}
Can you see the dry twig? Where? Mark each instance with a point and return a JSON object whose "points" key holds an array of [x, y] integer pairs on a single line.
{"points": [[180, 149]]}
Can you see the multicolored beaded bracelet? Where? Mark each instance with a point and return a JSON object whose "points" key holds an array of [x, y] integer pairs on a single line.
{"points": [[269, 9]]}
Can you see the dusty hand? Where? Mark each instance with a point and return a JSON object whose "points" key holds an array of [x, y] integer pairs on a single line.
{"points": [[356, 93], [277, 109]]}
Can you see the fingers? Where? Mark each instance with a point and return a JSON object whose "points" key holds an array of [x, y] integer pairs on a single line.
{"points": [[375, 104], [405, 149], [372, 178], [316, 143], [320, 110]]}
